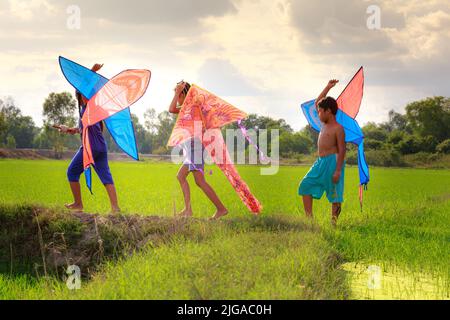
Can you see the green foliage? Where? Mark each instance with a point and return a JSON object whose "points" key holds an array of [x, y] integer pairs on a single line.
{"points": [[444, 147], [373, 144], [15, 127], [3, 128], [384, 158], [430, 117], [294, 143], [373, 132], [424, 128], [58, 109], [10, 142]]}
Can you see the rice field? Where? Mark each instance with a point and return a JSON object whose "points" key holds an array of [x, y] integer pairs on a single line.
{"points": [[397, 248]]}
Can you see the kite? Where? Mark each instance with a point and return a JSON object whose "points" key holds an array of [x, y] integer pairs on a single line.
{"points": [[108, 101], [349, 103], [202, 115]]}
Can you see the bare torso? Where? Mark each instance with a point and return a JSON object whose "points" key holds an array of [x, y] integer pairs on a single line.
{"points": [[328, 143]]}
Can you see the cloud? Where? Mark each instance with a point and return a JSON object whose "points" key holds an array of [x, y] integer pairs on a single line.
{"points": [[225, 79], [265, 56], [174, 12]]}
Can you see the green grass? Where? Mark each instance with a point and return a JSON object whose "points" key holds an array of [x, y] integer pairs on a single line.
{"points": [[404, 226]]}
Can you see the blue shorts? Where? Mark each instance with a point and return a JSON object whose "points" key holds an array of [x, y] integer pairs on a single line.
{"points": [[193, 155], [101, 166], [319, 179]]}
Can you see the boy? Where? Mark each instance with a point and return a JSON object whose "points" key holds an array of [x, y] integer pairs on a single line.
{"points": [[193, 162], [327, 173], [100, 153]]}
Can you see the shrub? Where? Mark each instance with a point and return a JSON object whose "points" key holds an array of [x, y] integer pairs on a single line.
{"points": [[444, 147]]}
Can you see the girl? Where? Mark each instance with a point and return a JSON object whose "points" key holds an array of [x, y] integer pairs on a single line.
{"points": [[100, 153], [193, 162]]}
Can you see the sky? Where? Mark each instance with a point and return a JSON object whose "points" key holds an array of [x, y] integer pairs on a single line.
{"points": [[263, 56]]}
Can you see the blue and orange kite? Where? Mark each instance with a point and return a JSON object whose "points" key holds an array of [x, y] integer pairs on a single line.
{"points": [[349, 103], [109, 101]]}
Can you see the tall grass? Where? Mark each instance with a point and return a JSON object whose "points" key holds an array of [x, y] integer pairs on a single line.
{"points": [[404, 225]]}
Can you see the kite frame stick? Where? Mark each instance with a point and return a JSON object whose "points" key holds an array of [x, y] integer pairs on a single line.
{"points": [[362, 67]]}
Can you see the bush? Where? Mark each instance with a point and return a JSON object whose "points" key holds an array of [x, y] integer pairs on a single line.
{"points": [[372, 144], [444, 147], [161, 151], [10, 142], [352, 157], [384, 158], [410, 145]]}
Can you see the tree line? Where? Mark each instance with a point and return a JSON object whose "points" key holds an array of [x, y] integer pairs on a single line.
{"points": [[424, 128]]}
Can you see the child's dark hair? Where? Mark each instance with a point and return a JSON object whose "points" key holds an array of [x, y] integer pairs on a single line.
{"points": [[187, 86], [328, 103]]}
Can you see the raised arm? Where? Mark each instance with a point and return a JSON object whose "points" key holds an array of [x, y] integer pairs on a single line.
{"points": [[173, 105], [327, 89], [342, 150]]}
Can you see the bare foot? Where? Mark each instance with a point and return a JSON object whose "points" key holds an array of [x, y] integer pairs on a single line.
{"points": [[185, 214], [335, 216], [75, 207], [115, 210], [219, 214]]}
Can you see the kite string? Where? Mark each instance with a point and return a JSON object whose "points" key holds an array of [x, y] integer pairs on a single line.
{"points": [[244, 132]]}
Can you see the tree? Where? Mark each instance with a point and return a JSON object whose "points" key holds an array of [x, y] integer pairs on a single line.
{"points": [[395, 137], [410, 144], [3, 128], [295, 143], [142, 136], [14, 124], [151, 120], [373, 144], [10, 142], [444, 147], [312, 135], [430, 117], [396, 121], [59, 108], [164, 126], [374, 132], [258, 122]]}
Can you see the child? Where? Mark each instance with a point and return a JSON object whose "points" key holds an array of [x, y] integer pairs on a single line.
{"points": [[100, 154], [193, 162], [327, 173]]}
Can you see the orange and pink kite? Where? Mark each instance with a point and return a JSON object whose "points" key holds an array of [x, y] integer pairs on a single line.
{"points": [[212, 113]]}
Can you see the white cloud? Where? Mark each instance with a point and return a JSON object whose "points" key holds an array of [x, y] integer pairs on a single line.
{"points": [[264, 56]]}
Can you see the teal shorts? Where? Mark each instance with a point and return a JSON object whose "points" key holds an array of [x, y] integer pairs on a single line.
{"points": [[319, 179]]}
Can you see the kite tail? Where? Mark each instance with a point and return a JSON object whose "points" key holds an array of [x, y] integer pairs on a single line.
{"points": [[250, 141], [185, 153], [223, 161], [362, 188], [88, 158], [88, 177]]}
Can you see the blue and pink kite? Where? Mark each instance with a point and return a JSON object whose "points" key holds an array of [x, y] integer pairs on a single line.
{"points": [[108, 101]]}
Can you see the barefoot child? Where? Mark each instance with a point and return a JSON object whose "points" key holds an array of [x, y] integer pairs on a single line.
{"points": [[100, 153], [193, 162], [327, 173]]}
